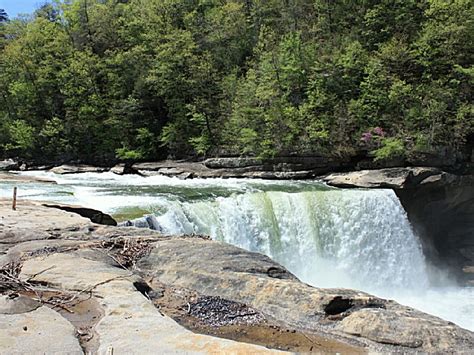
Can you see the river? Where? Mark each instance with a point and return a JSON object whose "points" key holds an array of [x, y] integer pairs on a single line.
{"points": [[328, 237]]}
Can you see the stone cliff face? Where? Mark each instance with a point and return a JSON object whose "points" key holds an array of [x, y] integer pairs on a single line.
{"points": [[98, 287], [440, 207], [443, 215]]}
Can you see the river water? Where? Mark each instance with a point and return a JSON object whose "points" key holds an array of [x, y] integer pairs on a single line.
{"points": [[327, 237]]}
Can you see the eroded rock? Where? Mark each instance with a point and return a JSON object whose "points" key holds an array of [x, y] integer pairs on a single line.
{"points": [[394, 178], [95, 216], [222, 270]]}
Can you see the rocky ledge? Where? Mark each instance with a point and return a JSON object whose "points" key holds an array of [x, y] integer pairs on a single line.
{"points": [[68, 285]]}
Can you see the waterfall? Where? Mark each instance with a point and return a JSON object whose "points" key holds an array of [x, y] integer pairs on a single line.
{"points": [[352, 238], [327, 237]]}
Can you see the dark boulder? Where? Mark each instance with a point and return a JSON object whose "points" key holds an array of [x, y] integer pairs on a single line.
{"points": [[94, 215]]}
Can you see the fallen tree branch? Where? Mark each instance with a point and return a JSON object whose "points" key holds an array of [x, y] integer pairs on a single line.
{"points": [[90, 288]]}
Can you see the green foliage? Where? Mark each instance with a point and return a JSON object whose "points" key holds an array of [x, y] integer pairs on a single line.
{"points": [[21, 135], [143, 146], [137, 79], [391, 148]]}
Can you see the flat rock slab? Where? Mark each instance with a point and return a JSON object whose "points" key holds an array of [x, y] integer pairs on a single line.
{"points": [[131, 324], [42, 331], [24, 178], [32, 221]]}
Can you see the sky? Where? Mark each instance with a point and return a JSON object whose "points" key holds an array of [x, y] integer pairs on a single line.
{"points": [[15, 7]]}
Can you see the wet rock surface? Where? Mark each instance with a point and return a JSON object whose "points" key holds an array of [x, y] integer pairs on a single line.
{"points": [[129, 290]]}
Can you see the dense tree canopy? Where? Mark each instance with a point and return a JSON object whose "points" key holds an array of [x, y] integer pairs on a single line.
{"points": [[141, 79]]}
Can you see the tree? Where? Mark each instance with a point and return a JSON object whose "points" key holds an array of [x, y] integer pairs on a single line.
{"points": [[3, 16]]}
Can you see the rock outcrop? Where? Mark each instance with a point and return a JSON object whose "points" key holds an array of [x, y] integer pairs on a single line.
{"points": [[277, 168], [99, 287], [223, 270], [393, 178], [442, 212]]}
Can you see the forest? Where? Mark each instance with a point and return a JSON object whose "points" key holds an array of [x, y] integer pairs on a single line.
{"points": [[150, 79]]}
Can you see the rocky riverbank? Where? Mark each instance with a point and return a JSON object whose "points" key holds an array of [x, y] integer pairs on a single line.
{"points": [[283, 167], [69, 285]]}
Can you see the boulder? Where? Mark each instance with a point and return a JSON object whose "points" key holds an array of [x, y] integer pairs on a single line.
{"points": [[148, 221]]}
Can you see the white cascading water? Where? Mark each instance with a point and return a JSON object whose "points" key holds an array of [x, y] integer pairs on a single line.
{"points": [[327, 238]]}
